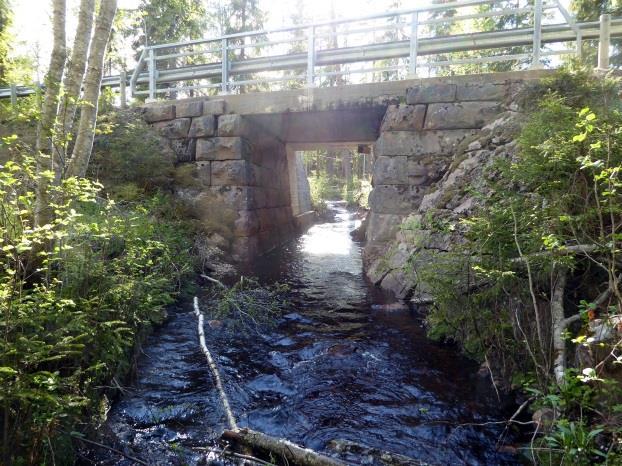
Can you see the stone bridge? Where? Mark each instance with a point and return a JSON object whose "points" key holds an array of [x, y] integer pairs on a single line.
{"points": [[240, 151]]}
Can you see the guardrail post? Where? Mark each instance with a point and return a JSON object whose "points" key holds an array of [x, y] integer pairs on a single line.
{"points": [[311, 58], [225, 67], [152, 75], [537, 34], [414, 44], [604, 42], [122, 91], [13, 95]]}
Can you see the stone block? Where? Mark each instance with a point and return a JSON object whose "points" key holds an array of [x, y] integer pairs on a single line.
{"points": [[382, 227], [395, 199], [247, 223], [189, 109], [204, 172], [232, 125], [419, 142], [266, 219], [202, 127], [461, 115], [184, 149], [233, 197], [174, 129], [261, 198], [390, 170], [403, 118], [422, 172], [223, 148], [482, 91], [431, 93], [245, 248], [159, 113], [232, 172], [213, 107]]}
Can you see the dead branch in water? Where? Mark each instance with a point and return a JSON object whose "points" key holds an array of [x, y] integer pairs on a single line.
{"points": [[214, 368], [281, 448]]}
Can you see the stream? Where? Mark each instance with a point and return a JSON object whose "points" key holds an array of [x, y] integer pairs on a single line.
{"points": [[335, 367]]}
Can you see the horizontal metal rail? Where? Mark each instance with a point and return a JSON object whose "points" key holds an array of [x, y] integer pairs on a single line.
{"points": [[433, 46], [394, 41]]}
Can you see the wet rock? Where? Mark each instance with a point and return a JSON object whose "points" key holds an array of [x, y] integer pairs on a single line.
{"points": [[215, 323], [544, 417], [392, 307], [371, 455]]}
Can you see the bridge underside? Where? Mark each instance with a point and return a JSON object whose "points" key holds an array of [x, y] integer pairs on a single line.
{"points": [[244, 179]]}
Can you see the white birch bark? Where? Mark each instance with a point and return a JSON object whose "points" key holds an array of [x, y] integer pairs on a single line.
{"points": [[81, 154], [76, 67], [53, 78]]}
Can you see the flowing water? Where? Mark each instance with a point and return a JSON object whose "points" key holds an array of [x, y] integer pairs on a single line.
{"points": [[334, 368]]}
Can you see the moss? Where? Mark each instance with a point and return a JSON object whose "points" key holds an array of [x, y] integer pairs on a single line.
{"points": [[186, 176]]}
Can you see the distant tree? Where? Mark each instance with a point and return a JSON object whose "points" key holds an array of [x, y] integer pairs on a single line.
{"points": [[590, 10], [390, 35], [494, 23], [163, 21], [5, 23], [238, 16], [299, 44]]}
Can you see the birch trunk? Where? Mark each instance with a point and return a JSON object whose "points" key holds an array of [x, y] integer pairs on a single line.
{"points": [[92, 81], [75, 75], [43, 144], [559, 324]]}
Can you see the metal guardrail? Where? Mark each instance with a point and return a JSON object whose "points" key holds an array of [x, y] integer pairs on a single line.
{"points": [[394, 44]]}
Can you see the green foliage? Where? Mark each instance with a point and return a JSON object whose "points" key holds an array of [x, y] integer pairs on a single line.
{"points": [[247, 305], [128, 157], [74, 294], [494, 293]]}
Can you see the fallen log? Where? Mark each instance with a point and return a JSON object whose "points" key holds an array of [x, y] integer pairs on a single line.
{"points": [[281, 448], [213, 367], [288, 452]]}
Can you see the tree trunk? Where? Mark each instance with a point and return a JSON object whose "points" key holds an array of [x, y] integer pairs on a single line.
{"points": [[280, 448], [559, 324], [92, 82], [43, 145], [77, 64]]}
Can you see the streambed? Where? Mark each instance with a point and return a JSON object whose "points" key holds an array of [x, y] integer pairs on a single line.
{"points": [[333, 368]]}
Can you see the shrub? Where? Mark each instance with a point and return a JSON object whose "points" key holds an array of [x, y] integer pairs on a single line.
{"points": [[74, 294]]}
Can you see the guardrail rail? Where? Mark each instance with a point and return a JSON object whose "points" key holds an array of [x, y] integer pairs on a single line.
{"points": [[389, 45]]}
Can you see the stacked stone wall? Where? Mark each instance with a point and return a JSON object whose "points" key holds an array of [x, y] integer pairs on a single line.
{"points": [[418, 142], [240, 177]]}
